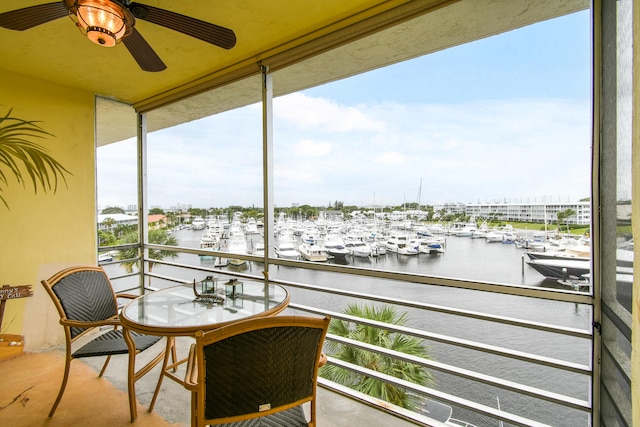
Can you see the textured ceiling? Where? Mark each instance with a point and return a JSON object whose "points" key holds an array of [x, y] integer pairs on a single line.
{"points": [[260, 26]]}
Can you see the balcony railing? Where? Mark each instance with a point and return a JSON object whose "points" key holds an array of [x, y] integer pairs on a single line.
{"points": [[484, 358]]}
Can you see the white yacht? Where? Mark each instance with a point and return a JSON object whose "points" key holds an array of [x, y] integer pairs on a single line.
{"points": [[400, 245], [428, 245], [237, 245], [286, 249], [335, 247], [198, 223], [251, 227], [358, 248], [313, 252]]}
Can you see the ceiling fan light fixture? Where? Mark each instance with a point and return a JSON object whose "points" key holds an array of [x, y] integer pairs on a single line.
{"points": [[104, 22]]}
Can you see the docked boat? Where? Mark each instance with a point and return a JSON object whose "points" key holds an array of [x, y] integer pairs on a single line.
{"points": [[286, 249], [467, 230], [237, 245], [535, 255], [481, 232], [400, 245], [428, 245], [251, 227], [211, 241], [258, 248], [335, 247], [198, 223], [531, 244], [505, 234], [378, 248], [313, 252], [561, 268], [358, 248], [106, 257]]}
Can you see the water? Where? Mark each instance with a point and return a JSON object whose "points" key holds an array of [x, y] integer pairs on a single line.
{"points": [[465, 258]]}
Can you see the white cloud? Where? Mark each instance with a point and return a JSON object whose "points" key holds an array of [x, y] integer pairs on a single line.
{"points": [[390, 158], [492, 150], [325, 151], [310, 113], [308, 148]]}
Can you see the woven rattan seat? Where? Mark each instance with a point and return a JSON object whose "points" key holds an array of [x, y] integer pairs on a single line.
{"points": [[88, 310], [257, 372]]}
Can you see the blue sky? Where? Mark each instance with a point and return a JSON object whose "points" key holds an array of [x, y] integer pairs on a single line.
{"points": [[506, 118]]}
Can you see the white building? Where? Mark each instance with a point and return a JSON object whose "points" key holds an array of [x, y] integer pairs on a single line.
{"points": [[120, 219], [531, 212]]}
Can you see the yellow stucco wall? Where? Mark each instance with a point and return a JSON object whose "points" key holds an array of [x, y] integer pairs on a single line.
{"points": [[45, 232]]}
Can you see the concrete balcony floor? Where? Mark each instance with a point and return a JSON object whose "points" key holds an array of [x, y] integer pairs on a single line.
{"points": [[30, 383]]}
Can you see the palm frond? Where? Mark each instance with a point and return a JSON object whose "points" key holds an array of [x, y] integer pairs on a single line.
{"points": [[374, 361], [26, 160]]}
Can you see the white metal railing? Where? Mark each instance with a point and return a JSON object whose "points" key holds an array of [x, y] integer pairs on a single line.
{"points": [[536, 393]]}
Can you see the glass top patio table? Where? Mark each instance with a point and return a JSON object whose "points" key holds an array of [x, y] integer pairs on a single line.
{"points": [[175, 311]]}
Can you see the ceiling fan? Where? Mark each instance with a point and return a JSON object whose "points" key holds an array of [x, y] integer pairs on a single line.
{"points": [[108, 22]]}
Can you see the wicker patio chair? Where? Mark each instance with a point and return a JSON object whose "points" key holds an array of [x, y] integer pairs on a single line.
{"points": [[88, 311], [256, 372]]}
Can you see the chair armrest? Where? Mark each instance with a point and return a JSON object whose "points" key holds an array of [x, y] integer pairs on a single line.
{"points": [[129, 296], [191, 376], [114, 321], [323, 360]]}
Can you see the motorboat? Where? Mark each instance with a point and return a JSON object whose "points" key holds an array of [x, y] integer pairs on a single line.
{"points": [[504, 234], [211, 241], [313, 252], [378, 248], [467, 230], [105, 257], [358, 248], [237, 245], [258, 248], [400, 245], [335, 247], [251, 227], [494, 236], [554, 268], [428, 245], [480, 232], [198, 223], [533, 255], [286, 249]]}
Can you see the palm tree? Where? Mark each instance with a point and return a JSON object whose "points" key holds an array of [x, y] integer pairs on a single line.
{"points": [[26, 160], [156, 237], [564, 216], [382, 338], [108, 223]]}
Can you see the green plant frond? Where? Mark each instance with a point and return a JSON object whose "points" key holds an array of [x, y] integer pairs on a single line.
{"points": [[337, 374], [382, 338], [26, 160], [339, 327], [156, 237]]}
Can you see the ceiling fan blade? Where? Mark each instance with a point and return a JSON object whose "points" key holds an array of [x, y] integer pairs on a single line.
{"points": [[142, 52], [29, 17], [210, 33]]}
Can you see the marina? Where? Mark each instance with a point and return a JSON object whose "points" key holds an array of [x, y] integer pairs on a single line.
{"points": [[464, 258]]}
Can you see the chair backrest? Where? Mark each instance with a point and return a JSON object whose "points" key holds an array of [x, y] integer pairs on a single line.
{"points": [[82, 293], [259, 366]]}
